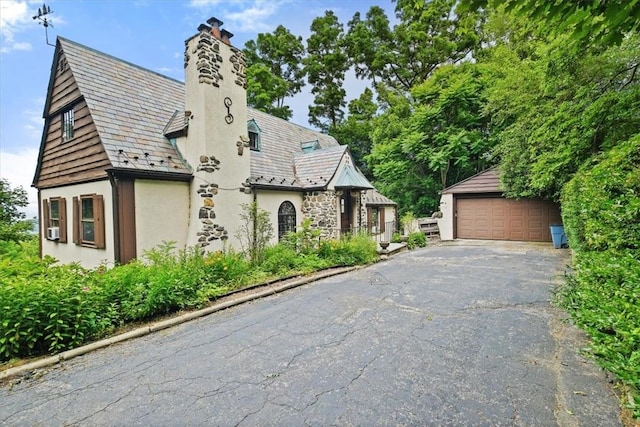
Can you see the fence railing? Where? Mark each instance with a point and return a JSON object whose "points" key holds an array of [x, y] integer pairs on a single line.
{"points": [[379, 234]]}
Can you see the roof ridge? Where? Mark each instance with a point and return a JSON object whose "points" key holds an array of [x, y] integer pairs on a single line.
{"points": [[66, 40], [287, 121]]}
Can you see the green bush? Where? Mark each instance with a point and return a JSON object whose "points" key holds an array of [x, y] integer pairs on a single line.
{"points": [[416, 240], [601, 204], [351, 249], [47, 313], [601, 215], [47, 308]]}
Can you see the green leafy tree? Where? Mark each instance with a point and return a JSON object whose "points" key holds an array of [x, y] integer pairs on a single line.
{"points": [[274, 71], [325, 65], [13, 226], [600, 22], [395, 173], [444, 137], [429, 33], [557, 108], [355, 130]]}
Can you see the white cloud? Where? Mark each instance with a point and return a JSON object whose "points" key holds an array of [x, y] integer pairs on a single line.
{"points": [[14, 18], [33, 124], [19, 168], [251, 16], [204, 3]]}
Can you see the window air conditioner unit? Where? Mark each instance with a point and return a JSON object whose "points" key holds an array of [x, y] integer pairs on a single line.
{"points": [[53, 233]]}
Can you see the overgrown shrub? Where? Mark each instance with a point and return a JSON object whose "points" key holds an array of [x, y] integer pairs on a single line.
{"points": [[601, 215], [47, 312], [47, 308], [416, 240], [305, 240], [601, 204], [351, 249]]}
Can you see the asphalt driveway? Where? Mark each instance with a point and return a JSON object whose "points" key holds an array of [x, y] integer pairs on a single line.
{"points": [[446, 335]]}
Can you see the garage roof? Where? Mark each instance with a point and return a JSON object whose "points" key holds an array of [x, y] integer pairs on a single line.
{"points": [[486, 181]]}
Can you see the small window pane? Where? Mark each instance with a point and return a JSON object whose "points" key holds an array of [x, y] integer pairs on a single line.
{"points": [[88, 234], [67, 124], [54, 210], [87, 209], [253, 140]]}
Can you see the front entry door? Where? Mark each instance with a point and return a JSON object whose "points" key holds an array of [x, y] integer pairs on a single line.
{"points": [[345, 212]]}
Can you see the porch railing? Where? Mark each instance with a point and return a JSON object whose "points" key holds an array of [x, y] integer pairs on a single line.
{"points": [[390, 227]]}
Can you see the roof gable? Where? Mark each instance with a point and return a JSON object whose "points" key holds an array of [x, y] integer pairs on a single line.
{"points": [[276, 163], [487, 181], [350, 177], [130, 107], [317, 168]]}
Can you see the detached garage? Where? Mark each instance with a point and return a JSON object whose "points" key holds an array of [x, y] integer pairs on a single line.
{"points": [[477, 209]]}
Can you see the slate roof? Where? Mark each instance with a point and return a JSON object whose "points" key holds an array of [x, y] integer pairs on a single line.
{"points": [[373, 197], [136, 110], [130, 107], [487, 181], [317, 168], [276, 164]]}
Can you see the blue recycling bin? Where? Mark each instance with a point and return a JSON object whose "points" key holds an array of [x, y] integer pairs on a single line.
{"points": [[558, 236]]}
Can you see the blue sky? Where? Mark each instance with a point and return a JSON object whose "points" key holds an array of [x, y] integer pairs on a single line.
{"points": [[149, 33]]}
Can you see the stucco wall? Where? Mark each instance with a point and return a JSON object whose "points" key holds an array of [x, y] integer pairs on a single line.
{"points": [[162, 213], [217, 144], [70, 252], [270, 201], [445, 224]]}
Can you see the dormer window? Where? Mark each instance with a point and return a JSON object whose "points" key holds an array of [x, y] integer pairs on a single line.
{"points": [[309, 146], [67, 124], [254, 135]]}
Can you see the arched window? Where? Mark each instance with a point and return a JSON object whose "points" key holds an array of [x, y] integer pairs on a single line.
{"points": [[286, 219]]}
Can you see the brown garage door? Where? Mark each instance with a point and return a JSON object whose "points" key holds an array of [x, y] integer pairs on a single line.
{"points": [[504, 219]]}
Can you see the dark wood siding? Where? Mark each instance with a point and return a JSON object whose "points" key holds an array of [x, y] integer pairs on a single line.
{"points": [[497, 218], [81, 158], [65, 89], [127, 220]]}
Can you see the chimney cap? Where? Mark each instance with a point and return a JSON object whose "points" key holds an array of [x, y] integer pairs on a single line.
{"points": [[214, 22], [203, 27], [226, 34]]}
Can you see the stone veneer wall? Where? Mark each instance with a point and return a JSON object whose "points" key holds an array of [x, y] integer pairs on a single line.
{"points": [[322, 208], [363, 212]]}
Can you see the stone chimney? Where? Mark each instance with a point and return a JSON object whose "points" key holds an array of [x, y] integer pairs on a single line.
{"points": [[215, 94]]}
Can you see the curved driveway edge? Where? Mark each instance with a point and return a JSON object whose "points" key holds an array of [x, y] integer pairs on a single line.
{"points": [[234, 298]]}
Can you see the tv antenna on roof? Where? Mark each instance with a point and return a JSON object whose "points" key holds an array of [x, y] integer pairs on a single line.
{"points": [[42, 18]]}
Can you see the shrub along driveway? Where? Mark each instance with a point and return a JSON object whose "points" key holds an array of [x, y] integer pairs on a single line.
{"points": [[448, 335]]}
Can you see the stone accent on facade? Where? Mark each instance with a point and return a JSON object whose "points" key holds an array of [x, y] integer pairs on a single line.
{"points": [[208, 164], [209, 231], [363, 210], [242, 143], [207, 53], [239, 67], [245, 187], [322, 208]]}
